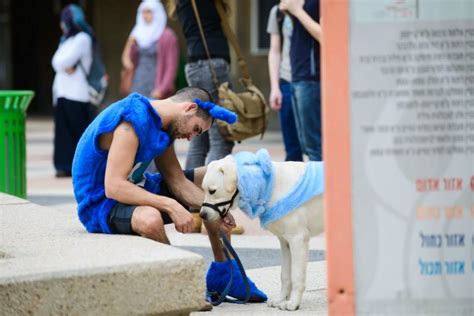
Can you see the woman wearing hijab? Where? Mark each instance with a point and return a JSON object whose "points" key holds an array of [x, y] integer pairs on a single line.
{"points": [[73, 111], [152, 52]]}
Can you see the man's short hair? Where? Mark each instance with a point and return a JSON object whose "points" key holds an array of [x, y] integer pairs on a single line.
{"points": [[188, 94], [191, 93]]}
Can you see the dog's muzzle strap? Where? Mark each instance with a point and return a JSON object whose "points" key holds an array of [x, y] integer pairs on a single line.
{"points": [[216, 206]]}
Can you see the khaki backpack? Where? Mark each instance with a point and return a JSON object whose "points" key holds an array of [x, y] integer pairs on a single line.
{"points": [[250, 105]]}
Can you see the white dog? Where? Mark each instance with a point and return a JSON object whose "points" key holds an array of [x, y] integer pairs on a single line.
{"points": [[286, 196]]}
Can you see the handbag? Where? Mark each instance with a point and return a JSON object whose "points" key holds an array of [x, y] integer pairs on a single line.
{"points": [[249, 105], [126, 78]]}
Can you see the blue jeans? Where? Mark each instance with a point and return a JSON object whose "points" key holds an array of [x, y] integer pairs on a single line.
{"points": [[209, 145], [307, 109], [288, 126]]}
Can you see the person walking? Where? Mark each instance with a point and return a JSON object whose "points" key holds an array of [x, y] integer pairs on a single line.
{"points": [[72, 108], [151, 53], [280, 28]]}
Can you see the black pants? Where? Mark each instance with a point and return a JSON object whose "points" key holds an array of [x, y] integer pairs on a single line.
{"points": [[71, 118]]}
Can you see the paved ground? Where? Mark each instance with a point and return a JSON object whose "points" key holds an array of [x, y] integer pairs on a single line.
{"points": [[259, 250]]}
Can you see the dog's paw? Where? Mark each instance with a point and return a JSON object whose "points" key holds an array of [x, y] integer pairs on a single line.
{"points": [[274, 303], [289, 305]]}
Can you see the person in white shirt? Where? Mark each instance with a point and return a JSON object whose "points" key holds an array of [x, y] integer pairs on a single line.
{"points": [[73, 111]]}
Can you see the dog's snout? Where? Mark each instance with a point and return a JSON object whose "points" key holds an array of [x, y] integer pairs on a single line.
{"points": [[203, 215], [211, 192]]}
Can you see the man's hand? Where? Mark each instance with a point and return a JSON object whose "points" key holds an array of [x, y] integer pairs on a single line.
{"points": [[291, 6], [275, 99], [227, 223], [182, 219]]}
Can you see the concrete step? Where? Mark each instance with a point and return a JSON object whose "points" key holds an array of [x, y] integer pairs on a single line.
{"points": [[50, 265]]}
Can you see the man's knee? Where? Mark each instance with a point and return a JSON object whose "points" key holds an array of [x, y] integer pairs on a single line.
{"points": [[147, 222]]}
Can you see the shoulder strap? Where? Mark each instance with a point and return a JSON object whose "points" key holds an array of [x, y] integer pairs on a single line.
{"points": [[204, 42], [81, 65], [233, 41], [83, 69]]}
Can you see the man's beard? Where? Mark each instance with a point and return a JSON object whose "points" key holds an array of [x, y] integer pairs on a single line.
{"points": [[174, 128]]}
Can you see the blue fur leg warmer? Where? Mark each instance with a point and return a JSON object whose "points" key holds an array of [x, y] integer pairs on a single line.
{"points": [[218, 277]]}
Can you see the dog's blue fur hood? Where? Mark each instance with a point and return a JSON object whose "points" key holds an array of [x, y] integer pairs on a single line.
{"points": [[255, 181]]}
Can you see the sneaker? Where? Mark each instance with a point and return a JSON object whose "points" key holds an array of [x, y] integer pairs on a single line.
{"points": [[218, 277]]}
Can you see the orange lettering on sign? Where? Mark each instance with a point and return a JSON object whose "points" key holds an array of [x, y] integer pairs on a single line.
{"points": [[453, 212], [424, 212]]}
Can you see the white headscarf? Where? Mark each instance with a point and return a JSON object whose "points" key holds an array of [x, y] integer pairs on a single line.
{"points": [[147, 34]]}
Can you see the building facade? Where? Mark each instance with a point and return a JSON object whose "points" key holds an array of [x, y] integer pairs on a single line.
{"points": [[30, 32]]}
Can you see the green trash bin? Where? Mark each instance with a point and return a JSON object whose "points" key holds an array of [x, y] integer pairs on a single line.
{"points": [[13, 105]]}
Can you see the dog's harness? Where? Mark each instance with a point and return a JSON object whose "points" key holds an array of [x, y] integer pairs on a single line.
{"points": [[216, 208]]}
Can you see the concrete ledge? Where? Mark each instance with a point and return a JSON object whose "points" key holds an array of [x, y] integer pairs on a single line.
{"points": [[50, 265]]}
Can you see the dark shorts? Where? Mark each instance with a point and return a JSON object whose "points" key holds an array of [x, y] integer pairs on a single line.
{"points": [[120, 216]]}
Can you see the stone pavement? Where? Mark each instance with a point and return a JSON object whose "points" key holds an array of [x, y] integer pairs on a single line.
{"points": [[258, 249]]}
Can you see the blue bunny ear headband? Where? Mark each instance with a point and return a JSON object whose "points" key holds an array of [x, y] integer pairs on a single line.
{"points": [[216, 111]]}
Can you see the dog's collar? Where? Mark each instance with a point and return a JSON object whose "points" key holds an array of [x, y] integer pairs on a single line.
{"points": [[224, 212]]}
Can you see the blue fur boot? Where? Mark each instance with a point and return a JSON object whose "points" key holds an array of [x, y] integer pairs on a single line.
{"points": [[218, 277]]}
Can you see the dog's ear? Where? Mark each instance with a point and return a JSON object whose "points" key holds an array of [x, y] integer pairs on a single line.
{"points": [[229, 174]]}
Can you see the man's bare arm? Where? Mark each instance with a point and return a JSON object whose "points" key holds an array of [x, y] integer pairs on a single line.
{"points": [[184, 190], [119, 164]]}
